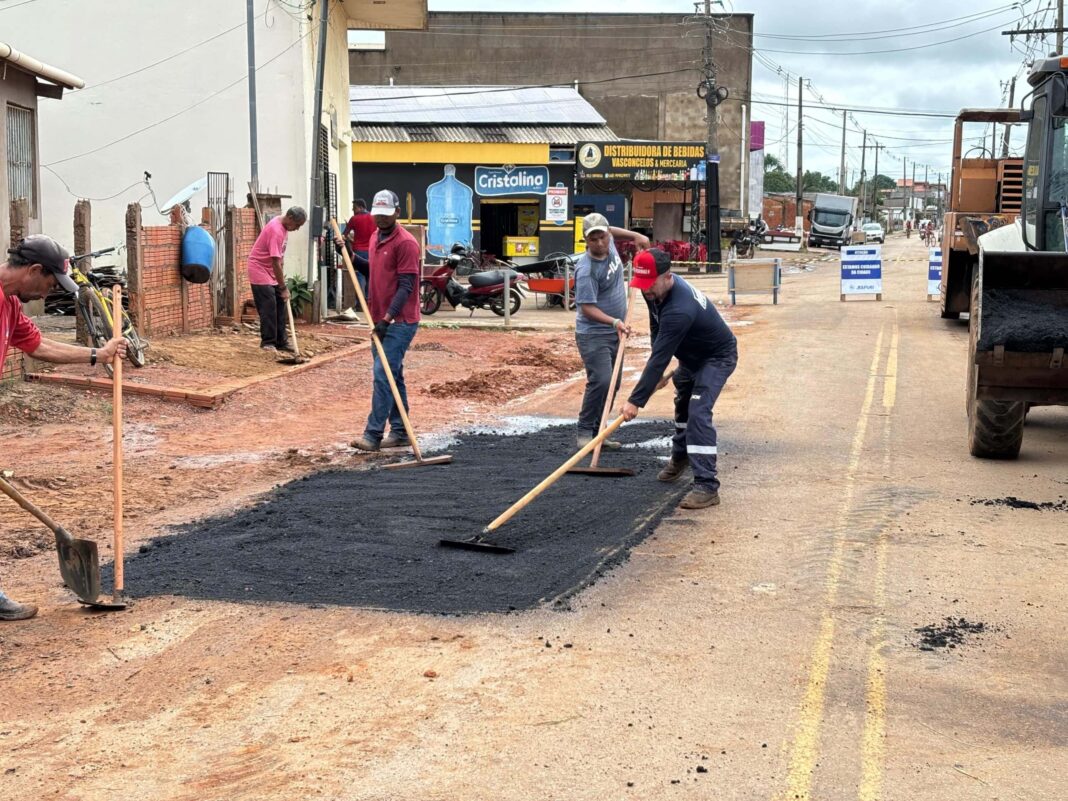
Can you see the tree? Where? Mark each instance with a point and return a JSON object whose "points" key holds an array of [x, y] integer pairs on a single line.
{"points": [[776, 179], [882, 183], [818, 182]]}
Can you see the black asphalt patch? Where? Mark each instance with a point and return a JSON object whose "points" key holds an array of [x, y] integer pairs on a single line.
{"points": [[950, 633], [1012, 502], [368, 538]]}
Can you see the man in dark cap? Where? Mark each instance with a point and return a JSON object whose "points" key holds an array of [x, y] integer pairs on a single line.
{"points": [[687, 326], [35, 267]]}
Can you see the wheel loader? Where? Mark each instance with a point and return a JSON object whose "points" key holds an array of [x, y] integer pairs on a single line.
{"points": [[1019, 293]]}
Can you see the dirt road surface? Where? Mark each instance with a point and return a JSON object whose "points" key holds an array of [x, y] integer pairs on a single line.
{"points": [[765, 649]]}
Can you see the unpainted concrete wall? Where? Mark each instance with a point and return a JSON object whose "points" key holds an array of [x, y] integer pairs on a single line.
{"points": [[480, 49]]}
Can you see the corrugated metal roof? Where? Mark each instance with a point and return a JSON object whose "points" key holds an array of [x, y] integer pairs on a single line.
{"points": [[516, 134], [470, 105]]}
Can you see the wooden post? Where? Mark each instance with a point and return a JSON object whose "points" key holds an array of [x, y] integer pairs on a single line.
{"points": [[134, 260], [83, 243]]}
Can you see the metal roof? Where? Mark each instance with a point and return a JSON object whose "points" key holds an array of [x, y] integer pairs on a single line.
{"points": [[471, 105], [39, 68], [515, 134]]}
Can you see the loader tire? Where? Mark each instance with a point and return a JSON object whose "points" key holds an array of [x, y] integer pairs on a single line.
{"points": [[995, 428]]}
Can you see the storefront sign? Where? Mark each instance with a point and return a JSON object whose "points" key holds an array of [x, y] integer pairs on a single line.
{"points": [[638, 161], [556, 204], [498, 181], [862, 270]]}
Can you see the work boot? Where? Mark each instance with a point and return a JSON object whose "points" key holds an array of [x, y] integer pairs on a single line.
{"points": [[584, 437], [13, 610], [395, 440], [287, 346], [700, 497], [674, 469], [366, 443]]}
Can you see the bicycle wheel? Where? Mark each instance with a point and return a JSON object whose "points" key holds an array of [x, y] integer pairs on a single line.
{"points": [[135, 346], [96, 319]]}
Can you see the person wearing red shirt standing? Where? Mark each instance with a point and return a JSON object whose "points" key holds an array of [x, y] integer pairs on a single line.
{"points": [[396, 265], [34, 267], [359, 230]]}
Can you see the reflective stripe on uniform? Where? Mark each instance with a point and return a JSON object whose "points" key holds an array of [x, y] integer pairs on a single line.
{"points": [[703, 450], [680, 426]]}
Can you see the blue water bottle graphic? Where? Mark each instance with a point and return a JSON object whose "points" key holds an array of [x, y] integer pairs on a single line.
{"points": [[449, 206]]}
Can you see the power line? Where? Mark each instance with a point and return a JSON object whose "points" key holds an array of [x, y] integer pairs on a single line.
{"points": [[178, 113], [893, 33]]}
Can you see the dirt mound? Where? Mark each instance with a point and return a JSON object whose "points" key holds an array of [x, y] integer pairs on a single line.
{"points": [[1012, 502], [560, 363], [22, 402], [953, 631], [495, 385]]}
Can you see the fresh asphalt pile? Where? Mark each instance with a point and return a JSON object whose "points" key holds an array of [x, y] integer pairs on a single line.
{"points": [[1011, 317], [369, 538]]}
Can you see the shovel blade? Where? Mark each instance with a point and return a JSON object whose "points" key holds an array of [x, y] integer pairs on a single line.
{"points": [[475, 545], [79, 565]]}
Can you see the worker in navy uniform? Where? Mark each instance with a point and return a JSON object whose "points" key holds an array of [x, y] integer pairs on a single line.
{"points": [[687, 326]]}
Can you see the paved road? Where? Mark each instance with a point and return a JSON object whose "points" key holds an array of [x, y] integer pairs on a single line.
{"points": [[766, 649]]}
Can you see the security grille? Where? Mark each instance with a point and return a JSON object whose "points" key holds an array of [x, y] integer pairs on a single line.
{"points": [[21, 148]]}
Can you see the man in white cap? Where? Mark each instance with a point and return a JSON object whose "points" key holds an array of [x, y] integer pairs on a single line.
{"points": [[34, 267], [601, 298], [396, 264]]}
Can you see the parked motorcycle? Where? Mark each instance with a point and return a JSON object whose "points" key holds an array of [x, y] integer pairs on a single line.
{"points": [[745, 242], [485, 290]]}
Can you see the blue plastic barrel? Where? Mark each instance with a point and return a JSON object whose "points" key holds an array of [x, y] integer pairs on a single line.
{"points": [[198, 255]]}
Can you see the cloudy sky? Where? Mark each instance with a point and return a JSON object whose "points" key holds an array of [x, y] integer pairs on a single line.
{"points": [[915, 55]]}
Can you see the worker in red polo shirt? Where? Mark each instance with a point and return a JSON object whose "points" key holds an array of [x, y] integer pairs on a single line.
{"points": [[396, 265], [34, 268]]}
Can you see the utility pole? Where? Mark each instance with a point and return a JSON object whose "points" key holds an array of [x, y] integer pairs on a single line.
{"points": [[1060, 27], [875, 185], [250, 35], [315, 211], [1012, 102], [798, 213], [713, 95], [841, 169], [925, 168], [863, 186], [912, 187], [904, 186]]}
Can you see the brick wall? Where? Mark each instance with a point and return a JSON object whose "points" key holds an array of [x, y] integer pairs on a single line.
{"points": [[161, 302], [12, 366], [243, 230]]}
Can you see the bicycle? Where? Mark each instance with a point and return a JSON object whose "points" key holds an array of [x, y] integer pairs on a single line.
{"points": [[95, 309]]}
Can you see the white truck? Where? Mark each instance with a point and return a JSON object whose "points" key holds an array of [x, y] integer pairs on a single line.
{"points": [[831, 220]]}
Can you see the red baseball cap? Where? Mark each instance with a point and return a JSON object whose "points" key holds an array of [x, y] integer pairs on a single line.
{"points": [[648, 266]]}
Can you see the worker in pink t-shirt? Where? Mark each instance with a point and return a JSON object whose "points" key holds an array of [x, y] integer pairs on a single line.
{"points": [[34, 267], [268, 280]]}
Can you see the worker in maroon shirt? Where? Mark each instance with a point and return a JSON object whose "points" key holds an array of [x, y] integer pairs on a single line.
{"points": [[359, 230], [34, 268], [396, 265]]}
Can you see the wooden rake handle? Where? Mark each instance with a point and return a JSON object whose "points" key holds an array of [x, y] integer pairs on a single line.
{"points": [[381, 351], [511, 511], [116, 424], [617, 368]]}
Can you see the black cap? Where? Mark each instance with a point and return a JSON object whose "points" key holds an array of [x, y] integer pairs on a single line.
{"points": [[44, 250]]}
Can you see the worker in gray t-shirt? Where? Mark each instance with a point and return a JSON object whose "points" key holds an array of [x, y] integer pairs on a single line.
{"points": [[601, 298]]}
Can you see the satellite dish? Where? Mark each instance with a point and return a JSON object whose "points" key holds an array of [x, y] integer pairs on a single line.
{"points": [[185, 194]]}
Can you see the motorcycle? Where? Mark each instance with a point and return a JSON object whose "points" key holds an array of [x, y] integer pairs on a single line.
{"points": [[745, 242], [485, 290]]}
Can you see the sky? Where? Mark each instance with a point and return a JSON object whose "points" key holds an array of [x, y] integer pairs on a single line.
{"points": [[949, 55]]}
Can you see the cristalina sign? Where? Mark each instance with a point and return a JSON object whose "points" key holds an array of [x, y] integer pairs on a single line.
{"points": [[638, 161]]}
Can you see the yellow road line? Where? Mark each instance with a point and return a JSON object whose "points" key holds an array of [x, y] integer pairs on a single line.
{"points": [[890, 380], [872, 752], [805, 752]]}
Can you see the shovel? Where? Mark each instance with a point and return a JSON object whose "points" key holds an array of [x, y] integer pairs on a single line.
{"points": [[617, 368], [480, 544], [78, 561], [419, 460], [116, 438]]}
